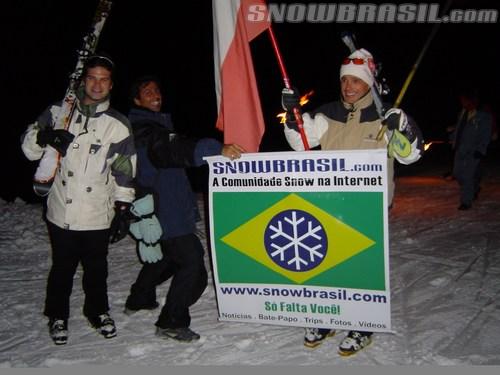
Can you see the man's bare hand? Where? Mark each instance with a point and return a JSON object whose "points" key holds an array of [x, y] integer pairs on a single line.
{"points": [[232, 151]]}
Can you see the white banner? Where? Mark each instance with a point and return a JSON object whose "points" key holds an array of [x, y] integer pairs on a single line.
{"points": [[301, 238]]}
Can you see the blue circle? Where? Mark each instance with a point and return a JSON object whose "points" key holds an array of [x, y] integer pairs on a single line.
{"points": [[295, 240]]}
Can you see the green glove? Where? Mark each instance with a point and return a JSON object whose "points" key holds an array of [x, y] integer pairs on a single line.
{"points": [[135, 230], [398, 144], [150, 254], [143, 206], [147, 229]]}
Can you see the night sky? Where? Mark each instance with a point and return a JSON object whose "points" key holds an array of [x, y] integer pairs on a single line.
{"points": [[41, 38]]}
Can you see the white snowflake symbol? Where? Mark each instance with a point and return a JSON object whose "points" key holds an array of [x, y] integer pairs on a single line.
{"points": [[295, 240]]}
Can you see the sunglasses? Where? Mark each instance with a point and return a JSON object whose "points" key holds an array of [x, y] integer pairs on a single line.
{"points": [[355, 61]]}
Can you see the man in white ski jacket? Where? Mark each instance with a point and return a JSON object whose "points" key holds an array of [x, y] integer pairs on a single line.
{"points": [[92, 187]]}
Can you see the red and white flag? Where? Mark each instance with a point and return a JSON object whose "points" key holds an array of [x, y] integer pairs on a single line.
{"points": [[236, 23]]}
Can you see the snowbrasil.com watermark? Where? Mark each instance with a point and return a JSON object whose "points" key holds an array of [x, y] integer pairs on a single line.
{"points": [[366, 13]]}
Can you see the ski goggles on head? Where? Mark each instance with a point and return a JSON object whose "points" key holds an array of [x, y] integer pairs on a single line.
{"points": [[355, 61]]}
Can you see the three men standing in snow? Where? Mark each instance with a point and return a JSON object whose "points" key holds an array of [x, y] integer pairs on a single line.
{"points": [[103, 164]]}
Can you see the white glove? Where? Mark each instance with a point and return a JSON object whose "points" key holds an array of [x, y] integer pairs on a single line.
{"points": [[147, 229], [395, 118], [143, 206], [150, 254]]}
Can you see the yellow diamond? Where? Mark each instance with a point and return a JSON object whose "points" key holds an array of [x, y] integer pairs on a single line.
{"points": [[343, 241]]}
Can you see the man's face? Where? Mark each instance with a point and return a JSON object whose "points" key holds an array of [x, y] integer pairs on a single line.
{"points": [[98, 84], [353, 88], [468, 103], [149, 97]]}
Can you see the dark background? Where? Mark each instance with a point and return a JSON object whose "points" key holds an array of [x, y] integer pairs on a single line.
{"points": [[174, 41]]}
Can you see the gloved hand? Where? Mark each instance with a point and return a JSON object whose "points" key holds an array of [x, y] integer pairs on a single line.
{"points": [[147, 229], [143, 206], [478, 155], [290, 99], [395, 119], [150, 253], [58, 138], [121, 221]]}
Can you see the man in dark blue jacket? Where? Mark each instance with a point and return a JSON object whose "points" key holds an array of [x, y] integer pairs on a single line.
{"points": [[162, 156], [470, 142]]}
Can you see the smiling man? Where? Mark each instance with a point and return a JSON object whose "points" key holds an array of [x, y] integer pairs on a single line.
{"points": [[352, 123], [177, 253], [91, 193]]}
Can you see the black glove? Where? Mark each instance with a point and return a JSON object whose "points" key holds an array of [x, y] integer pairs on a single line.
{"points": [[291, 122], [290, 99], [395, 118], [59, 139], [478, 155], [121, 221]]}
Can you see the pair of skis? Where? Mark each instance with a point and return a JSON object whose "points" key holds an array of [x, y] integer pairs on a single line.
{"points": [[45, 173]]}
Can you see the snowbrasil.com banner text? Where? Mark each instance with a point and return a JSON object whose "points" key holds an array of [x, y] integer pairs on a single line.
{"points": [[306, 306], [366, 13], [339, 294]]}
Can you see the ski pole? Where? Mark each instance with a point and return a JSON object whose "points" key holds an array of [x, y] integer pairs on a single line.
{"points": [[286, 80], [414, 68]]}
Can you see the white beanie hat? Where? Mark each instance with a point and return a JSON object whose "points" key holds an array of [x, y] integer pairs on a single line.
{"points": [[362, 71]]}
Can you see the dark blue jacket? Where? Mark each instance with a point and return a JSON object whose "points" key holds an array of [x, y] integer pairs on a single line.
{"points": [[473, 133], [162, 156]]}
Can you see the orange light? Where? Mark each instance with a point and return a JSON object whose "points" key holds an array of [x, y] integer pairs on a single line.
{"points": [[304, 99], [430, 143], [282, 117]]}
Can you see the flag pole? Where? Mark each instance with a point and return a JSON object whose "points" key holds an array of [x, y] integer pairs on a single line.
{"points": [[286, 80]]}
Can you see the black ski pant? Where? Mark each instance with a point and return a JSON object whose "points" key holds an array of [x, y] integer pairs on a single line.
{"points": [[70, 248], [182, 259], [467, 171]]}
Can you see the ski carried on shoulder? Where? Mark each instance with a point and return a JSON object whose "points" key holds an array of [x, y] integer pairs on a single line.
{"points": [[44, 175]]}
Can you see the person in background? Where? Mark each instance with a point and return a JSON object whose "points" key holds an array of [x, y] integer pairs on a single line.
{"points": [[352, 123], [168, 245], [90, 196], [471, 138]]}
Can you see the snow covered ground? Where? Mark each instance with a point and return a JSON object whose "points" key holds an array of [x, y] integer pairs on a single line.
{"points": [[445, 279]]}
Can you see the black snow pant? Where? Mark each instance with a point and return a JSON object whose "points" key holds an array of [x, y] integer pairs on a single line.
{"points": [[467, 171], [182, 259], [69, 248]]}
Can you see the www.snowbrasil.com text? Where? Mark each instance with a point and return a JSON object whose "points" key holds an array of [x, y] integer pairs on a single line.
{"points": [[339, 294]]}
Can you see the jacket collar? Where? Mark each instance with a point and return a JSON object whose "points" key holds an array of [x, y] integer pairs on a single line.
{"points": [[141, 114], [91, 110], [362, 103]]}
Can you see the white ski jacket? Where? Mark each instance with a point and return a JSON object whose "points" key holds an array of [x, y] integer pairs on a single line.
{"points": [[98, 168]]}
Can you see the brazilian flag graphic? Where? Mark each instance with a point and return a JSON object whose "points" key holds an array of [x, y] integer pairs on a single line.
{"points": [[330, 239]]}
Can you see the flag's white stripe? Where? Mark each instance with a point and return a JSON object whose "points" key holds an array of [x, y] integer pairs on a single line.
{"points": [[225, 14]]}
